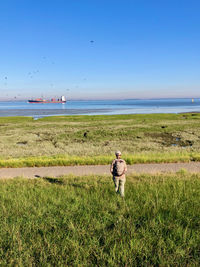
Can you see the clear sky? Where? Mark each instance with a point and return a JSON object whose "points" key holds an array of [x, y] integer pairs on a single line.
{"points": [[99, 49]]}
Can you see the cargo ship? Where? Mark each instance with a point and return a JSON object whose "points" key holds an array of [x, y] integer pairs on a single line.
{"points": [[61, 100]]}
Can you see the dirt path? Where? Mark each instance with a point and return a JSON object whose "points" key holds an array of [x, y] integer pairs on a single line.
{"points": [[98, 169]]}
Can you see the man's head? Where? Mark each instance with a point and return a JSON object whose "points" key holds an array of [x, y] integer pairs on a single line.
{"points": [[118, 154]]}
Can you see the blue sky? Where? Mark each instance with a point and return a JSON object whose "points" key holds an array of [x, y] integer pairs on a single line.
{"points": [[139, 49]]}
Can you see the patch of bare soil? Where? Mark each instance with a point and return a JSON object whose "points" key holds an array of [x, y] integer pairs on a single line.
{"points": [[168, 139]]}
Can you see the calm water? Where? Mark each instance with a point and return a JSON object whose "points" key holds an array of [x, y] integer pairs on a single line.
{"points": [[100, 107]]}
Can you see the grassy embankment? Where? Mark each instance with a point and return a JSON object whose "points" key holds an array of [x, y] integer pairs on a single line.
{"points": [[81, 140], [80, 221]]}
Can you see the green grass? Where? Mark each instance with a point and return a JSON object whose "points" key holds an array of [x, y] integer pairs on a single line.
{"points": [[80, 221], [63, 160], [71, 140]]}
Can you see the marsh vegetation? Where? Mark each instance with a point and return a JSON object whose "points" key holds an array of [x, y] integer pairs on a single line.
{"points": [[81, 139]]}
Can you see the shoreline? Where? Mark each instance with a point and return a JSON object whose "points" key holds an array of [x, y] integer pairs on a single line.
{"points": [[48, 112], [40, 113]]}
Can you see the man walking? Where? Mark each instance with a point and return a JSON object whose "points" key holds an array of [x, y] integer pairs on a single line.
{"points": [[118, 169]]}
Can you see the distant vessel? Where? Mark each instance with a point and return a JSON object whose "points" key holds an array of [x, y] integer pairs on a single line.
{"points": [[61, 100]]}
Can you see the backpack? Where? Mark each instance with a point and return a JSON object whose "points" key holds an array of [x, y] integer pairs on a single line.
{"points": [[118, 167]]}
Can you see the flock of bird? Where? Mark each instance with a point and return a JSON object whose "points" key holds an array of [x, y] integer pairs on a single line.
{"points": [[31, 75]]}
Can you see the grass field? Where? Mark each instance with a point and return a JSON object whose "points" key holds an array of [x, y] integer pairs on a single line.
{"points": [[71, 140], [80, 221]]}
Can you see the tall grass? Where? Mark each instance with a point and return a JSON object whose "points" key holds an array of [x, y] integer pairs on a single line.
{"points": [[80, 221]]}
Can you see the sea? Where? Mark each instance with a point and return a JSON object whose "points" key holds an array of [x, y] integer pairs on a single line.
{"points": [[99, 107]]}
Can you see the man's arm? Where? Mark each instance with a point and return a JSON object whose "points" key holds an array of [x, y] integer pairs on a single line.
{"points": [[111, 166], [125, 167]]}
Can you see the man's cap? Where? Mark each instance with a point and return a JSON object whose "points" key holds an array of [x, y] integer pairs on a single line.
{"points": [[118, 153]]}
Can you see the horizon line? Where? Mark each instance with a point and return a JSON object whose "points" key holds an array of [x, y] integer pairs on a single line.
{"points": [[104, 99]]}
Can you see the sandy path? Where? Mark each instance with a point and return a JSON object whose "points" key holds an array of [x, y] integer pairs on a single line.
{"points": [[97, 169]]}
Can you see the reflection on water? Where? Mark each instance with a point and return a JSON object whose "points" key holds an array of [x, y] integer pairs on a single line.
{"points": [[63, 106]]}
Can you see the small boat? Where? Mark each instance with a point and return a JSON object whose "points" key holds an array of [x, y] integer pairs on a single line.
{"points": [[61, 100]]}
